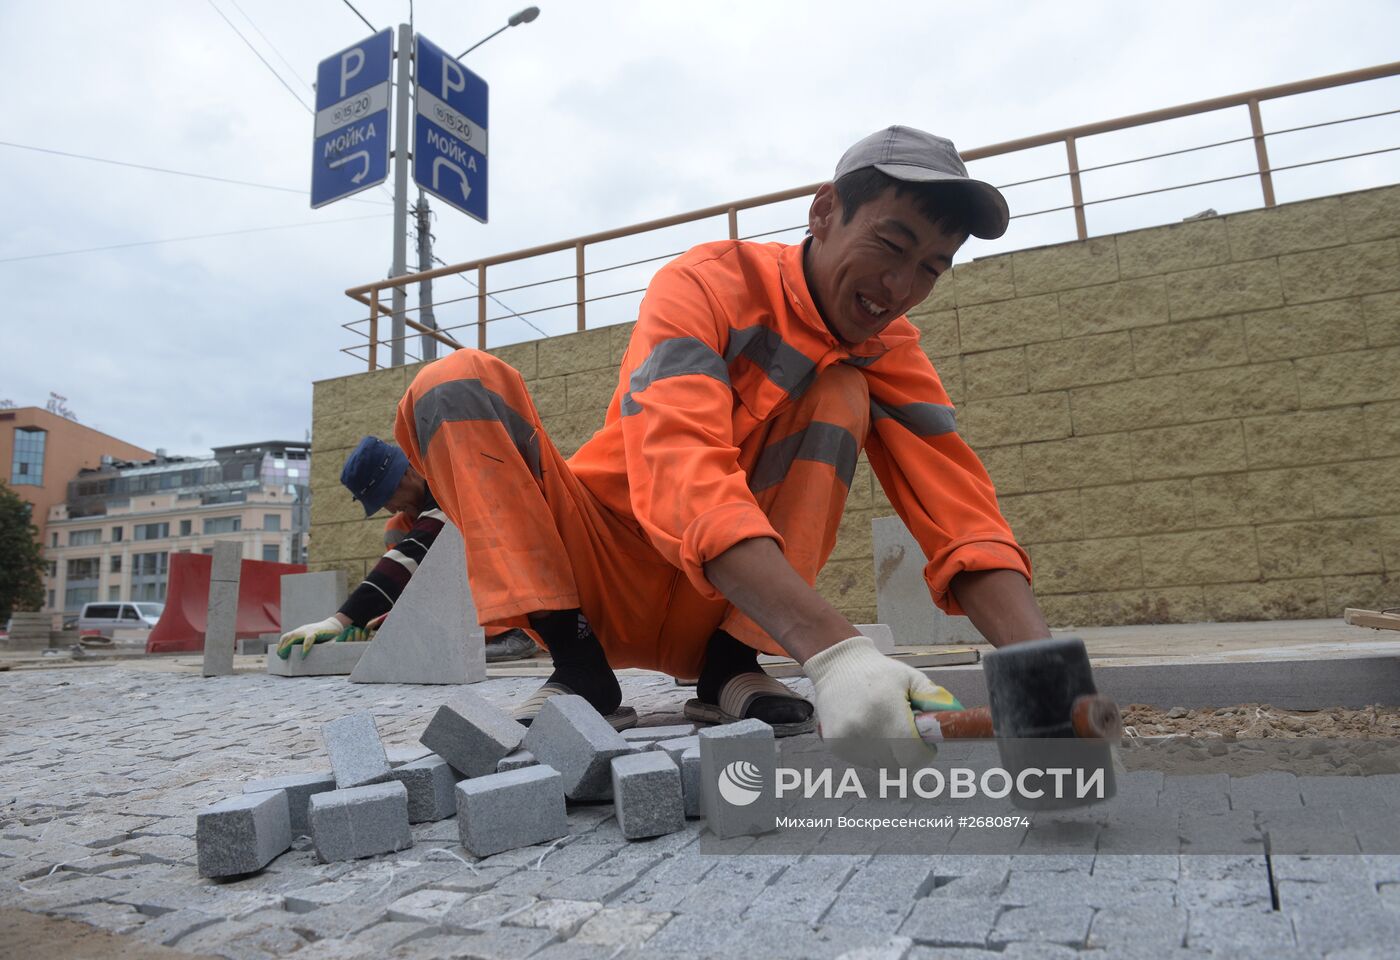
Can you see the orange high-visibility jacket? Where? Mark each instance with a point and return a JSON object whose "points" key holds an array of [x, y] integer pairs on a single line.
{"points": [[726, 335]]}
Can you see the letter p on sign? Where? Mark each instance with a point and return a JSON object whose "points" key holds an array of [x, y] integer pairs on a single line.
{"points": [[347, 72], [452, 78]]}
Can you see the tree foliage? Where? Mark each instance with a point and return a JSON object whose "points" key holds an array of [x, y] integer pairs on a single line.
{"points": [[21, 556]]}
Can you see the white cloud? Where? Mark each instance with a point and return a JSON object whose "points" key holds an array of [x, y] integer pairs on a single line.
{"points": [[603, 113]]}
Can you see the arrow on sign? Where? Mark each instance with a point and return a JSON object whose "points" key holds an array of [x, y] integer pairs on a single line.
{"points": [[356, 177], [439, 163]]}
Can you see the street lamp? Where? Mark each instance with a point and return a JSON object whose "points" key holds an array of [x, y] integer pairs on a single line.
{"points": [[421, 213], [524, 16]]}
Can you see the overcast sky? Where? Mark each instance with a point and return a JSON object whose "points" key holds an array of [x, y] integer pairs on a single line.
{"points": [[602, 114]]}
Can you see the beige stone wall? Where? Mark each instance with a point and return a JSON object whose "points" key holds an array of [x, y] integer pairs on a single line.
{"points": [[1192, 422]]}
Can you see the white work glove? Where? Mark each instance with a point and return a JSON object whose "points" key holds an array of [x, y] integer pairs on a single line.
{"points": [[866, 704], [310, 634]]}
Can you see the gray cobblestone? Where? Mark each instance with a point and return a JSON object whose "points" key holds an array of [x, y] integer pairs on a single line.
{"points": [[1043, 923], [1231, 931], [356, 752], [878, 914], [621, 926], [429, 782], [128, 815], [951, 922], [506, 943], [242, 834], [574, 739], [1154, 926]]}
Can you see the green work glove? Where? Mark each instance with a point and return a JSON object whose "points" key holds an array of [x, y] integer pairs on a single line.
{"points": [[329, 630]]}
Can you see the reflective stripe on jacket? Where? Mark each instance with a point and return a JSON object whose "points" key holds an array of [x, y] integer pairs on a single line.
{"points": [[727, 334]]}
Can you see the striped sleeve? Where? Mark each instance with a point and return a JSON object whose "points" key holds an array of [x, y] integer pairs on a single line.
{"points": [[380, 590]]}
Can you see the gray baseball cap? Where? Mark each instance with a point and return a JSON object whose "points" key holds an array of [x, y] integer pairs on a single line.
{"points": [[918, 157]]}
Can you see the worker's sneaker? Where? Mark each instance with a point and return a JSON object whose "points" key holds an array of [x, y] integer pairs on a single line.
{"points": [[757, 696], [511, 645], [622, 718]]}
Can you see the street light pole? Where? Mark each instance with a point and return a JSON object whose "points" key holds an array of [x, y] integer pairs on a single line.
{"points": [[400, 264], [421, 213]]}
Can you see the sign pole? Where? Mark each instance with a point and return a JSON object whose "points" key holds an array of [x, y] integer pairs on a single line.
{"points": [[402, 109]]}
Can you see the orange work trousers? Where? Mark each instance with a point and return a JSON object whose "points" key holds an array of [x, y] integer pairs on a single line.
{"points": [[538, 539]]}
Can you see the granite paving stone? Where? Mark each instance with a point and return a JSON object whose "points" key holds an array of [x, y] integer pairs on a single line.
{"points": [[1227, 931], [951, 922], [472, 734], [515, 760], [429, 783], [356, 752], [506, 811], [647, 798], [298, 787], [1043, 923], [574, 739], [360, 821], [242, 834], [119, 826]]}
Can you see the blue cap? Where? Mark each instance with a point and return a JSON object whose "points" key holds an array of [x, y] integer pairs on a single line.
{"points": [[372, 473]]}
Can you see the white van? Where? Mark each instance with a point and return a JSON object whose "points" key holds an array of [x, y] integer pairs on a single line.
{"points": [[108, 617]]}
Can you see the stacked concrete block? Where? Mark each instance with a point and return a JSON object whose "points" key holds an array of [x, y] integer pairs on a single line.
{"points": [[647, 794], [516, 760], [646, 735], [221, 624], [28, 631], [685, 754], [503, 811], [309, 597], [298, 788], [360, 821], [745, 755], [472, 734], [247, 646], [429, 782], [356, 752], [574, 739], [242, 834]]}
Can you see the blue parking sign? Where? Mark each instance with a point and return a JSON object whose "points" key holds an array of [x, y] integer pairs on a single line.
{"points": [[449, 138], [350, 151]]}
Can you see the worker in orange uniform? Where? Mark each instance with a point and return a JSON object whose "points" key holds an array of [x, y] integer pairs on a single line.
{"points": [[378, 477], [686, 534]]}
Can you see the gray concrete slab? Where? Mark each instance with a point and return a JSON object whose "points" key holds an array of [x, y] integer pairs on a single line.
{"points": [[324, 660], [901, 593]]}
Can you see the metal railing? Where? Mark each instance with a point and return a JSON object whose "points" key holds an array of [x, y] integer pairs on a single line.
{"points": [[1073, 174]]}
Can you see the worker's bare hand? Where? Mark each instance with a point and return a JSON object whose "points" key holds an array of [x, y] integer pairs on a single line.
{"points": [[866, 704]]}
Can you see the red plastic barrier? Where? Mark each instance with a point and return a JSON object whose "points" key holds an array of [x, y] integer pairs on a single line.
{"points": [[181, 627]]}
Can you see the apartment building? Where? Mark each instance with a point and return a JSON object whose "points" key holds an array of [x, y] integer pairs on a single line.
{"points": [[43, 451], [113, 536]]}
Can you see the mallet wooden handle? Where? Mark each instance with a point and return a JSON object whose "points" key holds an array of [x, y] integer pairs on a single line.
{"points": [[1093, 717]]}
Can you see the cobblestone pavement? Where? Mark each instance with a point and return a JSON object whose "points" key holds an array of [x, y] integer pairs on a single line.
{"points": [[103, 768]]}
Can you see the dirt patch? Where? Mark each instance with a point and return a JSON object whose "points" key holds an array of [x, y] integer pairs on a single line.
{"points": [[36, 936], [1259, 721]]}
